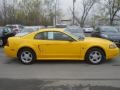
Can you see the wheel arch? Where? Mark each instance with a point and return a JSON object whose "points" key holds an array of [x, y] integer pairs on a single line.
{"points": [[26, 47], [98, 47]]}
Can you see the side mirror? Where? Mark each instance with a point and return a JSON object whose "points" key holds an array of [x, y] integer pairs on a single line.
{"points": [[71, 40]]}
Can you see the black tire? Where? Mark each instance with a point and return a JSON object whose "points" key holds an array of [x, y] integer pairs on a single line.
{"points": [[30, 58], [95, 60]]}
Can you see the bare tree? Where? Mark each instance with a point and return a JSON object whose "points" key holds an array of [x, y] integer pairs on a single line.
{"points": [[113, 7], [53, 11], [29, 12], [87, 6], [4, 10]]}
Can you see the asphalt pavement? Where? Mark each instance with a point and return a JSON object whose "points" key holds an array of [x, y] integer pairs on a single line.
{"points": [[58, 75]]}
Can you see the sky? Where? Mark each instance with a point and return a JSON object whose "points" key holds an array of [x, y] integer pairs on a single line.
{"points": [[66, 5], [69, 3]]}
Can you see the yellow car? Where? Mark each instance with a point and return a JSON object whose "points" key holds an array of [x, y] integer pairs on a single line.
{"points": [[59, 44]]}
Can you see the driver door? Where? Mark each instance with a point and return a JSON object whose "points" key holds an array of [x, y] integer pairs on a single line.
{"points": [[58, 45]]}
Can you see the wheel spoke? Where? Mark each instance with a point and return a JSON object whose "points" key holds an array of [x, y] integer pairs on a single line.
{"points": [[95, 56], [26, 57]]}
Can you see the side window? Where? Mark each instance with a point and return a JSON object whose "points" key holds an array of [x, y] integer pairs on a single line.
{"points": [[9, 30], [53, 36], [61, 36], [5, 30], [50, 35], [41, 36]]}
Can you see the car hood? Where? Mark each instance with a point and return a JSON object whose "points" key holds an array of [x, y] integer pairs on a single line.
{"points": [[113, 35], [96, 40]]}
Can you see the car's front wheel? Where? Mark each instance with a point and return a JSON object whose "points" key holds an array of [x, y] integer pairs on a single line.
{"points": [[95, 56], [26, 56]]}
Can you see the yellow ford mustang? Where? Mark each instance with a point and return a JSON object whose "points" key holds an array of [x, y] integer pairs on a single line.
{"points": [[59, 44]]}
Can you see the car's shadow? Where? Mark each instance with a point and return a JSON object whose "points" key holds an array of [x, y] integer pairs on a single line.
{"points": [[54, 62], [60, 62], [16, 61]]}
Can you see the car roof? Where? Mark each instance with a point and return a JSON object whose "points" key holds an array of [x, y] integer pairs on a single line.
{"points": [[13, 25], [3, 27], [52, 29]]}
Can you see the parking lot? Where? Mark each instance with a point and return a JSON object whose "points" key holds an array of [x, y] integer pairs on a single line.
{"points": [[57, 73]]}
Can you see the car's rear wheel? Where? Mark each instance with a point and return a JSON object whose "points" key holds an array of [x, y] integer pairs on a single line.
{"points": [[95, 56], [26, 56]]}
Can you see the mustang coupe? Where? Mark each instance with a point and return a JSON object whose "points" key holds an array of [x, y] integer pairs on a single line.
{"points": [[59, 44]]}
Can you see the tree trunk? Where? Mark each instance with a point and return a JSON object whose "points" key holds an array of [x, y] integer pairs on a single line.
{"points": [[111, 21]]}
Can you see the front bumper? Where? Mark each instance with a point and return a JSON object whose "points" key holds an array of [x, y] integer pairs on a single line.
{"points": [[113, 53], [116, 41]]}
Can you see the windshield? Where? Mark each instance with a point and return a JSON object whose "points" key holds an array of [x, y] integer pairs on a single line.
{"points": [[109, 30], [75, 32]]}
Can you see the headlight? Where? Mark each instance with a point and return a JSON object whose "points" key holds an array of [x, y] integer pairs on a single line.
{"points": [[104, 35], [112, 46]]}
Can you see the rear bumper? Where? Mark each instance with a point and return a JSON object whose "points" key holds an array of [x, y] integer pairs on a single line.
{"points": [[9, 52]]}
